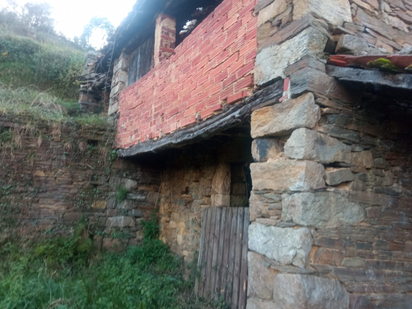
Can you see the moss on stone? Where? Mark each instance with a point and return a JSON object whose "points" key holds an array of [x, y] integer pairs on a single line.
{"points": [[383, 64]]}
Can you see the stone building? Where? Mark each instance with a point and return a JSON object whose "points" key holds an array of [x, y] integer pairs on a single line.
{"points": [[297, 109]]}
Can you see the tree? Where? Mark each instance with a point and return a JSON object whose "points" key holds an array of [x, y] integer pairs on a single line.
{"points": [[31, 16], [96, 23], [38, 16]]}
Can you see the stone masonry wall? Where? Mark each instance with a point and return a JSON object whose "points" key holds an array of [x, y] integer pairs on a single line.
{"points": [[339, 207], [211, 68], [289, 31], [55, 174], [331, 200], [193, 179]]}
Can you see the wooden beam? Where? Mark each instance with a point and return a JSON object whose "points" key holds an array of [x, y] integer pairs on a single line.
{"points": [[229, 118], [394, 80]]}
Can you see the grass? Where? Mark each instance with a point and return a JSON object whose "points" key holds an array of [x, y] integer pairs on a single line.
{"points": [[69, 273], [121, 193], [42, 105], [54, 67]]}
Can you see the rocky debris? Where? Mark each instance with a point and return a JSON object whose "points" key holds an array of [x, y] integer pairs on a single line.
{"points": [[282, 118], [337, 176], [310, 145], [321, 209], [286, 246], [309, 292], [264, 149], [290, 175]]}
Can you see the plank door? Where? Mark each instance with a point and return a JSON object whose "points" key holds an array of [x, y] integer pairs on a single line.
{"points": [[223, 255]]}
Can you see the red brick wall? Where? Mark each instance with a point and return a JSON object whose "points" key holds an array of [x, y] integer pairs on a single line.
{"points": [[210, 68]]}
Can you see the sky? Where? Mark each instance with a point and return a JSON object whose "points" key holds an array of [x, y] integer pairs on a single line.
{"points": [[72, 15]]}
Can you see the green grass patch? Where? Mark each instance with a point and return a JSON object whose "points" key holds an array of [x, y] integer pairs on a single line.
{"points": [[42, 105], [67, 273], [53, 67]]}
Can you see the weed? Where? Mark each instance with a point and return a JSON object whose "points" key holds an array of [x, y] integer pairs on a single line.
{"points": [[151, 228], [121, 193]]}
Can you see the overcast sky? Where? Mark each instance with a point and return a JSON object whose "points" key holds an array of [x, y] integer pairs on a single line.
{"points": [[72, 15]]}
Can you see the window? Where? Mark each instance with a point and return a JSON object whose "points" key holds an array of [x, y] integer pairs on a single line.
{"points": [[141, 60]]}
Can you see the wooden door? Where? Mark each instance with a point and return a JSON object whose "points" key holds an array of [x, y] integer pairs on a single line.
{"points": [[223, 255]]}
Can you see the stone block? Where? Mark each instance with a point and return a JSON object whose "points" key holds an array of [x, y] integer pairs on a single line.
{"points": [[287, 175], [117, 89], [270, 66], [137, 213], [261, 276], [220, 200], [310, 145], [130, 184], [337, 176], [407, 50], [321, 209], [381, 163], [398, 301], [336, 12], [309, 79], [362, 159], [121, 221], [100, 205], [328, 257], [255, 303], [264, 149], [113, 108], [370, 198], [282, 118], [355, 262], [261, 204], [271, 11], [352, 45], [294, 291], [221, 179], [283, 245], [72, 216]]}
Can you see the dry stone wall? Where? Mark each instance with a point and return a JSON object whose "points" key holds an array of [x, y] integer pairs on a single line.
{"points": [[55, 174], [200, 176]]}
